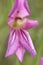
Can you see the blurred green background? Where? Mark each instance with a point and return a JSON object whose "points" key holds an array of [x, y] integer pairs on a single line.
{"points": [[36, 7]]}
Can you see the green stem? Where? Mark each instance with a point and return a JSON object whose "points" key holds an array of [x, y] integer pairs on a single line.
{"points": [[17, 62]]}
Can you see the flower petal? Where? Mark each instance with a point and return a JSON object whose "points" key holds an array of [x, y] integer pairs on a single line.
{"points": [[41, 61], [10, 21], [13, 44], [20, 53], [26, 41], [27, 6], [30, 24], [14, 8], [19, 9]]}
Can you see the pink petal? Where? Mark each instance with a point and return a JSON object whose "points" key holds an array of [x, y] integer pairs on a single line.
{"points": [[13, 44], [20, 53], [41, 61], [27, 6], [26, 41], [19, 9], [30, 24], [10, 21], [14, 8]]}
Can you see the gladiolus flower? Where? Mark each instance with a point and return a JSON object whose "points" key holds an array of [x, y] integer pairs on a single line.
{"points": [[19, 39]]}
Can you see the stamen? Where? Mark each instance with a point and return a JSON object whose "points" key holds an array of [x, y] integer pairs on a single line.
{"points": [[18, 23]]}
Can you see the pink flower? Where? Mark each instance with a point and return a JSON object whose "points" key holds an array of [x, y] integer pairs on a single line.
{"points": [[19, 39], [41, 61]]}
